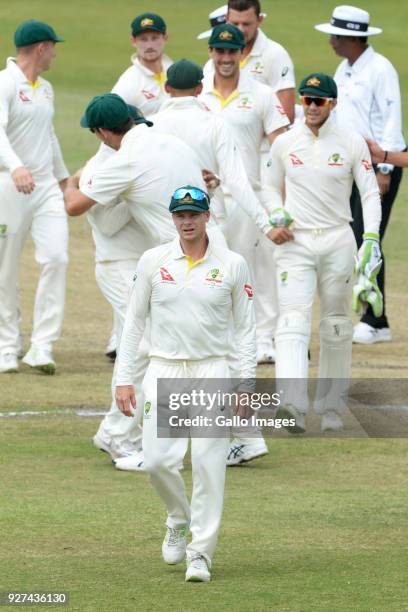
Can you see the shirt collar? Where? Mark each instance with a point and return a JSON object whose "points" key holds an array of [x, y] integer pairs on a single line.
{"points": [[244, 83], [17, 73], [361, 62], [166, 62], [326, 128], [178, 253], [134, 132], [259, 44], [184, 102]]}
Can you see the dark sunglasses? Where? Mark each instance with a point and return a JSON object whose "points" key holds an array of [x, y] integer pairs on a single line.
{"points": [[308, 100]]}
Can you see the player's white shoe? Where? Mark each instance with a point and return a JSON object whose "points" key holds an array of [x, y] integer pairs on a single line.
{"points": [[266, 352], [40, 359], [239, 452], [289, 412], [331, 421], [114, 449], [8, 363], [365, 334], [134, 462], [174, 545], [197, 569]]}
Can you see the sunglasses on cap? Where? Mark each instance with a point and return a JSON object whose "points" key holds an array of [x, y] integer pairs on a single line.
{"points": [[193, 192], [307, 100]]}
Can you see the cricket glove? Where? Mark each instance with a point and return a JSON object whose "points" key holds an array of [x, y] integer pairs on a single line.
{"points": [[366, 293], [280, 218], [368, 261]]}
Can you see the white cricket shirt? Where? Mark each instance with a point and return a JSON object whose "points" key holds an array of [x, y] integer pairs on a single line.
{"points": [[369, 99], [142, 88], [212, 140], [317, 174], [252, 111], [190, 306], [27, 136], [116, 234], [144, 173]]}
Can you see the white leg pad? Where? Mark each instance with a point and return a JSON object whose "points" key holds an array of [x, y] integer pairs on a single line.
{"points": [[336, 334], [292, 341]]}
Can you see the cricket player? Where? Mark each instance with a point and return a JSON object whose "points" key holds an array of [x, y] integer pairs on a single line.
{"points": [[144, 168], [32, 177], [369, 103], [315, 164], [189, 317], [142, 85], [253, 112]]}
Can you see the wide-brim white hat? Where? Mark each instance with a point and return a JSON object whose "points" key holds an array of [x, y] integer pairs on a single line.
{"points": [[217, 17], [349, 21]]}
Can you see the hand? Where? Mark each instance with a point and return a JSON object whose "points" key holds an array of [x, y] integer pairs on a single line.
{"points": [[368, 261], [23, 180], [211, 180], [280, 235], [377, 153], [125, 399], [243, 408], [384, 182]]}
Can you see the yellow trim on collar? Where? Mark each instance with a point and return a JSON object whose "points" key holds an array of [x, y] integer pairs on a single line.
{"points": [[161, 79], [35, 85], [191, 264], [225, 101], [244, 62]]}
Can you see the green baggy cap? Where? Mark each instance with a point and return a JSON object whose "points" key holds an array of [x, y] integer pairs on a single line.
{"points": [[108, 111], [33, 31], [189, 198], [184, 75], [318, 84], [226, 36], [146, 22]]}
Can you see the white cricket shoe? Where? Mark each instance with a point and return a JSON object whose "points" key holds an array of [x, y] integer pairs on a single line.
{"points": [[114, 449], [8, 363], [134, 462], [40, 359], [266, 352], [174, 545], [331, 421], [289, 412], [197, 569], [239, 452], [365, 334]]}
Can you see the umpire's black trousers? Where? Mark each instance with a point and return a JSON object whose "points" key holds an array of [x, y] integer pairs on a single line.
{"points": [[358, 229]]}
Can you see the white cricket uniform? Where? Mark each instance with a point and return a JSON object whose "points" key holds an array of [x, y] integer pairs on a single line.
{"points": [[252, 111], [144, 174], [27, 138], [369, 100], [142, 88], [119, 244], [189, 313], [317, 174]]}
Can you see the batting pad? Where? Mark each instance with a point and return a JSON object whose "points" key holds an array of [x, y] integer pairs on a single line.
{"points": [[292, 342], [336, 334]]}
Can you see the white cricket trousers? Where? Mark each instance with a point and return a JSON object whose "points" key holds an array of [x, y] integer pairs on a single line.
{"points": [[115, 280], [322, 260], [43, 214], [208, 458]]}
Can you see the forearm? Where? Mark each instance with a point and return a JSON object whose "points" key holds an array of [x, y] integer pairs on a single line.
{"points": [[76, 203]]}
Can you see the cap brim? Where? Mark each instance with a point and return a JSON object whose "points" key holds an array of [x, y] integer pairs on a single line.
{"points": [[59, 39], [328, 28], [204, 35], [141, 121], [306, 91], [150, 29], [189, 207], [226, 45], [83, 123]]}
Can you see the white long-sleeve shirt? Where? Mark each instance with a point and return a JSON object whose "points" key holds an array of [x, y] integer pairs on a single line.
{"points": [[252, 111], [190, 306], [369, 100], [144, 173], [317, 173], [141, 87], [212, 140], [116, 234], [27, 136]]}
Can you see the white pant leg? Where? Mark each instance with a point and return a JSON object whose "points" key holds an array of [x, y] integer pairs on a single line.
{"points": [[16, 211], [267, 304], [49, 230], [208, 456], [115, 280]]}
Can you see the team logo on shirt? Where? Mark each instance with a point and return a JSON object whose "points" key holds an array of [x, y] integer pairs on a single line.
{"points": [[3, 229], [147, 409], [335, 160], [284, 278], [23, 97], [258, 68], [367, 165], [295, 160], [249, 291], [148, 94], [166, 276], [245, 103], [214, 277]]}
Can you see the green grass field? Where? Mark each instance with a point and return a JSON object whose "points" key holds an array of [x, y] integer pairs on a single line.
{"points": [[318, 525]]}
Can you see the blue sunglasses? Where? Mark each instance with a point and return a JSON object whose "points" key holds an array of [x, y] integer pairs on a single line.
{"points": [[193, 192]]}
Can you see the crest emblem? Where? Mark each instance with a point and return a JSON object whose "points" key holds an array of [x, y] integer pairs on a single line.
{"points": [[313, 82], [145, 23], [214, 277], [335, 160], [225, 35]]}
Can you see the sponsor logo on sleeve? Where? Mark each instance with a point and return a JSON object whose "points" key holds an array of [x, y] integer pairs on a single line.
{"points": [[367, 165], [148, 94], [249, 291], [295, 160], [280, 109], [23, 97]]}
